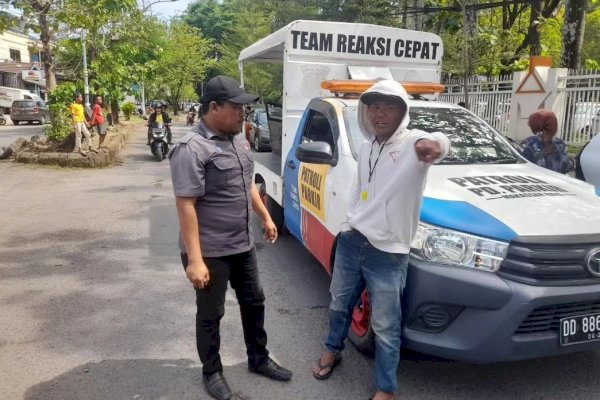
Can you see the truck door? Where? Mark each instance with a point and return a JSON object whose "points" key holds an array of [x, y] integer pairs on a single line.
{"points": [[308, 187]]}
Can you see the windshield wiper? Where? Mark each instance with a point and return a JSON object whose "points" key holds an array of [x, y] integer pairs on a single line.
{"points": [[456, 162], [505, 161]]}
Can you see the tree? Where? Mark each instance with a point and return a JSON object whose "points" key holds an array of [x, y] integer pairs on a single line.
{"points": [[573, 30], [47, 16], [124, 50], [184, 61], [591, 46]]}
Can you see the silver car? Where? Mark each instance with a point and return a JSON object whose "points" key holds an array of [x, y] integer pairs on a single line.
{"points": [[30, 111]]}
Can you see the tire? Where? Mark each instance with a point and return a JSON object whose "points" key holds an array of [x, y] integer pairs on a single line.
{"points": [[257, 144], [42, 120], [361, 333], [276, 212], [16, 122], [158, 152], [2, 121]]}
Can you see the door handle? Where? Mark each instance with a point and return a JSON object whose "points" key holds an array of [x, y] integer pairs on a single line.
{"points": [[291, 164]]}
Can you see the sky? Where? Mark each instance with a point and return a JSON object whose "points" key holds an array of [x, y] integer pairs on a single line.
{"points": [[168, 9]]}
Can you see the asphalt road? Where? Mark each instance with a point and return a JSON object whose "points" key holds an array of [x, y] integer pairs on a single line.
{"points": [[94, 305], [9, 132]]}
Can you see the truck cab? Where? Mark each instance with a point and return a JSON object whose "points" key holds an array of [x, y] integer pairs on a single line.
{"points": [[505, 264]]}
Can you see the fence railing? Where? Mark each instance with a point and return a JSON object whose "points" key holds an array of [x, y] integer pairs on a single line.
{"points": [[489, 99], [579, 119]]}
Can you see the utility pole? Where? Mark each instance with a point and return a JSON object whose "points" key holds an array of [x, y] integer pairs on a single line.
{"points": [[466, 53], [86, 86]]}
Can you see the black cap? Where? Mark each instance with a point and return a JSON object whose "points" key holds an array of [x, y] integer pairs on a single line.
{"points": [[371, 97], [225, 88]]}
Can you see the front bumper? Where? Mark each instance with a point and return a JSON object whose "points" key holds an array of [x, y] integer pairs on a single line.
{"points": [[491, 310]]}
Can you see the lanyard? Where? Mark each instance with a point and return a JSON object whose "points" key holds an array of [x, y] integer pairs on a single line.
{"points": [[372, 169]]}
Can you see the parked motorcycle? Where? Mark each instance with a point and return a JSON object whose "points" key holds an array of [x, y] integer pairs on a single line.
{"points": [[159, 144], [2, 120], [191, 116]]}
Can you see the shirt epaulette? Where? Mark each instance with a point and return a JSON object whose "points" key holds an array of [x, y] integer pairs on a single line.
{"points": [[188, 137]]}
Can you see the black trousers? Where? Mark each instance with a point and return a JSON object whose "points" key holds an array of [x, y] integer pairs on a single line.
{"points": [[241, 270]]}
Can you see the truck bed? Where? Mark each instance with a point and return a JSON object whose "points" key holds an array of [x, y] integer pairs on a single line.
{"points": [[270, 161], [268, 167]]}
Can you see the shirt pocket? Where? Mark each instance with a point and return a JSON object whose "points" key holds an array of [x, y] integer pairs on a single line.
{"points": [[248, 163], [220, 173]]}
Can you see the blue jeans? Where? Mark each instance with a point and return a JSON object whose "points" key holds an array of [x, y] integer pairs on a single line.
{"points": [[358, 265]]}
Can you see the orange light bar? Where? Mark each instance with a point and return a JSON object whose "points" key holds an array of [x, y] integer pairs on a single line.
{"points": [[360, 86]]}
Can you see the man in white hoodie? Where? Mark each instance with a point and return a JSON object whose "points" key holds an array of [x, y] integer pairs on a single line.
{"points": [[372, 250]]}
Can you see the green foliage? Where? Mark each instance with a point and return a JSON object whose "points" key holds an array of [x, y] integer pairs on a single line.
{"points": [[591, 44], [59, 101], [128, 109], [183, 61], [591, 64]]}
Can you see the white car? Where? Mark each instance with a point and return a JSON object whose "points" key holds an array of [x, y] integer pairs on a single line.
{"points": [[587, 118], [588, 163]]}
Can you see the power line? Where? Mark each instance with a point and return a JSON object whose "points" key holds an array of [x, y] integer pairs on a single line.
{"points": [[482, 6]]}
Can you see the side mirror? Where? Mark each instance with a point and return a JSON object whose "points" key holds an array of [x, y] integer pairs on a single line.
{"points": [[315, 153]]}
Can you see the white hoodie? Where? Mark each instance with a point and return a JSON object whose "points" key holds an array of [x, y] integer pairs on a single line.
{"points": [[386, 209]]}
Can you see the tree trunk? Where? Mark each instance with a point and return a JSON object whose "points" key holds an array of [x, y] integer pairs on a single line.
{"points": [[573, 30], [45, 37], [505, 16], [114, 108], [404, 24], [535, 48]]}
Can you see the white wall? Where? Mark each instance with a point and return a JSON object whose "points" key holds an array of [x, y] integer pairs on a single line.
{"points": [[16, 41]]}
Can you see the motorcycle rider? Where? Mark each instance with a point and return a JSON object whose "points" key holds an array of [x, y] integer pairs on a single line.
{"points": [[192, 114], [159, 116]]}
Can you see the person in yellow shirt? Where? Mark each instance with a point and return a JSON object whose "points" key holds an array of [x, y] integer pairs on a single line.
{"points": [[159, 116], [81, 125]]}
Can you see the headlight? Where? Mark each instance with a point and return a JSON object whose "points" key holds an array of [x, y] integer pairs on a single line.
{"points": [[450, 247]]}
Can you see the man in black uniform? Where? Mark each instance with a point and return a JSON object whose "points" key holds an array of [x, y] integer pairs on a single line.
{"points": [[212, 170]]}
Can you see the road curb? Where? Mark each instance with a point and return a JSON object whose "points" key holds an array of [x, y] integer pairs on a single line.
{"points": [[114, 142]]}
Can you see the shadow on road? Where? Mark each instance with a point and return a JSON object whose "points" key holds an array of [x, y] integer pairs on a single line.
{"points": [[128, 379]]}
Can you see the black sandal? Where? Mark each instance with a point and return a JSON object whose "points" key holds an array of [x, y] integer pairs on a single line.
{"points": [[331, 366]]}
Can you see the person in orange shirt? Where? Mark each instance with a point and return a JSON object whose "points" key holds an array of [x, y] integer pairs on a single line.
{"points": [[80, 125], [97, 120]]}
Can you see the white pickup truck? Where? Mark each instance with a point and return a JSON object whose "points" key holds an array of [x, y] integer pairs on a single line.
{"points": [[506, 261]]}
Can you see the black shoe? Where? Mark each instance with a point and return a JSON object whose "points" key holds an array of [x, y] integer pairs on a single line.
{"points": [[272, 370], [217, 386]]}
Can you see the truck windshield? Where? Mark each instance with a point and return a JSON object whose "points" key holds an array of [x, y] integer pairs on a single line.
{"points": [[473, 142]]}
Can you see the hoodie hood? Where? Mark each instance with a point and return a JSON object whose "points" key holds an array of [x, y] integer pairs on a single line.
{"points": [[387, 88]]}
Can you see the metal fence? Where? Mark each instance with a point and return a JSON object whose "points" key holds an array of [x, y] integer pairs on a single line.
{"points": [[489, 99], [580, 116]]}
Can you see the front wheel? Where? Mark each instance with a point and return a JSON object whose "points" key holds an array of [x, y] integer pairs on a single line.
{"points": [[361, 333], [158, 151], [257, 146], [2, 121]]}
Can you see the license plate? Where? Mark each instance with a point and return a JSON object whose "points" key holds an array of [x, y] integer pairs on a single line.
{"points": [[579, 329]]}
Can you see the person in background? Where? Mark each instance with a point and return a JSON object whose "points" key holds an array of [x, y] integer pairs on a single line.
{"points": [[97, 120], [544, 148], [80, 125], [159, 116]]}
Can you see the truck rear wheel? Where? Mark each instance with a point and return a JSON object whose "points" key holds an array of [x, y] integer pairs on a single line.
{"points": [[361, 333], [276, 212]]}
